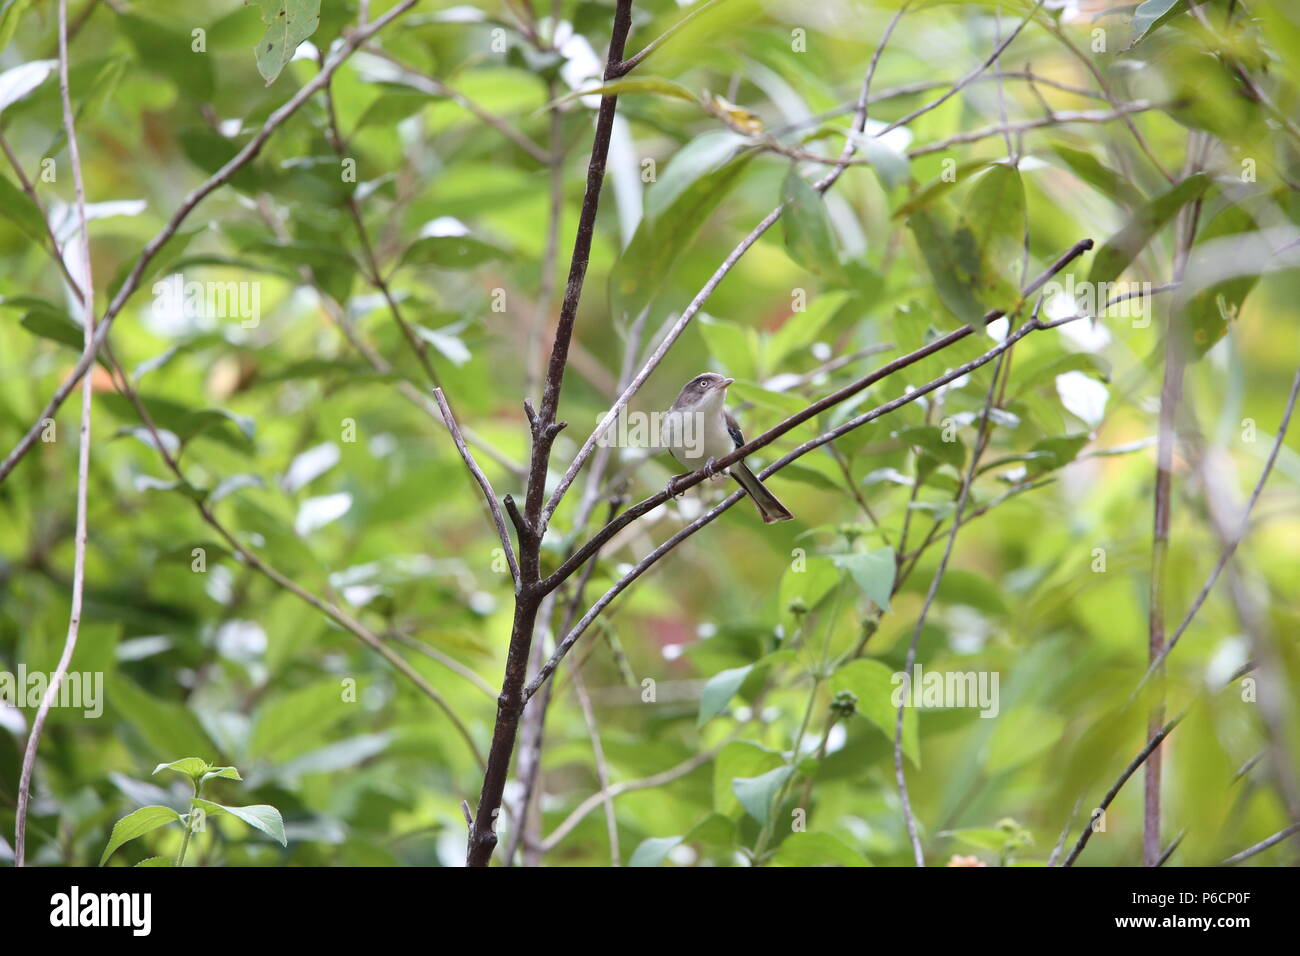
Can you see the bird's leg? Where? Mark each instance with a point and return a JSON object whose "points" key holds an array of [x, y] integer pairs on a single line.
{"points": [[711, 468], [672, 485]]}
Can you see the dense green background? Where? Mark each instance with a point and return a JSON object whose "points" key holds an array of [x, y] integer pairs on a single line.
{"points": [[227, 666]]}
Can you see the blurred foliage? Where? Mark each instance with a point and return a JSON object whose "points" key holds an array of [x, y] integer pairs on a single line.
{"points": [[771, 648]]}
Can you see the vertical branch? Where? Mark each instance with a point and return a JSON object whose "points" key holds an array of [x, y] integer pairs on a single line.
{"points": [[1171, 394], [83, 459], [530, 525]]}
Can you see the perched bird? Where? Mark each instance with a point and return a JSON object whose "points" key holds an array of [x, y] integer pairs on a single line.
{"points": [[698, 430]]}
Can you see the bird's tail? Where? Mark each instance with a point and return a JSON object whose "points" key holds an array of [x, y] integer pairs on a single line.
{"points": [[768, 506]]}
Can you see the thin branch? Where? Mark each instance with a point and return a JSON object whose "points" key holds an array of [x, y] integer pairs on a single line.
{"points": [[631, 63], [83, 460], [1143, 754], [488, 494], [1261, 846], [1021, 126], [967, 79], [436, 87], [627, 786], [1231, 548], [237, 162]]}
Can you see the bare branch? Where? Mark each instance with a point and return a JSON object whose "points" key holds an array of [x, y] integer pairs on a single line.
{"points": [[967, 79], [1155, 741], [488, 494], [83, 458], [1261, 846], [1226, 555], [631, 63]]}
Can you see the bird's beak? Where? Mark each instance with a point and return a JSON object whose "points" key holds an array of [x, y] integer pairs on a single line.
{"points": [[725, 382]]}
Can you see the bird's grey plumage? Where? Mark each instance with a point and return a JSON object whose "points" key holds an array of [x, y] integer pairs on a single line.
{"points": [[698, 428]]}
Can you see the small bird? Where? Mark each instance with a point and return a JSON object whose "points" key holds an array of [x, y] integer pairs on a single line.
{"points": [[698, 430]]}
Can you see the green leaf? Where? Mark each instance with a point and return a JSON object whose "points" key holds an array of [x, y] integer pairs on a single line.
{"points": [[653, 851], [167, 52], [809, 239], [1098, 175], [1152, 15], [1059, 452], [18, 208], [1022, 735], [261, 816], [872, 571], [994, 213], [740, 758], [890, 165], [295, 722], [288, 24], [451, 252], [17, 82], [137, 824], [734, 346], [167, 726], [221, 773], [1123, 247], [192, 767], [875, 687], [718, 691], [817, 849], [646, 266], [701, 156], [757, 793], [157, 861], [953, 256], [11, 11], [801, 329]]}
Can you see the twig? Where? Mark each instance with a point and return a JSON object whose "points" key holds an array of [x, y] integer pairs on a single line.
{"points": [[1261, 846], [436, 87], [1231, 547], [627, 786], [83, 460], [967, 79], [1131, 769], [1022, 126], [631, 63], [488, 494]]}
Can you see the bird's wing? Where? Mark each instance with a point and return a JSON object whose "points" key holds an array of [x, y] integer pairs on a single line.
{"points": [[733, 429]]}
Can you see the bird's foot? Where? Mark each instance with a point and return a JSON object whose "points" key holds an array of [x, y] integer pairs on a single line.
{"points": [[672, 488]]}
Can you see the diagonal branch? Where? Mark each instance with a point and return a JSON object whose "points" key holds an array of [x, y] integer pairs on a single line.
{"points": [[488, 494]]}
